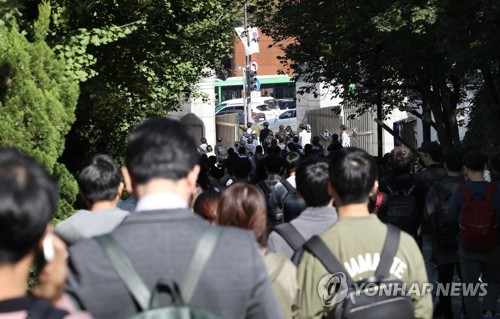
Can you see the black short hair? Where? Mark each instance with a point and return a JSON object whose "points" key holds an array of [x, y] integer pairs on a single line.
{"points": [[273, 164], [475, 161], [312, 182], [296, 139], [99, 179], [353, 173], [160, 148], [242, 168], [28, 199], [292, 160], [453, 160], [400, 159]]}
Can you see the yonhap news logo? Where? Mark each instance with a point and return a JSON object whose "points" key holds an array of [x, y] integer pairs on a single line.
{"points": [[333, 289]]}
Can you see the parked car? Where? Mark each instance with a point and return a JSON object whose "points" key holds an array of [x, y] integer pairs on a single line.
{"points": [[235, 108], [266, 105], [286, 104], [287, 118]]}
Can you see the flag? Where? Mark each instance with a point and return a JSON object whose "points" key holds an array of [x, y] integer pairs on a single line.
{"points": [[254, 39]]}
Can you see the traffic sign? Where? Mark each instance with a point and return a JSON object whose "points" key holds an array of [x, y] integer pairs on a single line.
{"points": [[257, 82], [254, 65], [255, 94], [326, 134]]}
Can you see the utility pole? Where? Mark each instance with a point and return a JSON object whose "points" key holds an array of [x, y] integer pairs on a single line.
{"points": [[246, 88]]}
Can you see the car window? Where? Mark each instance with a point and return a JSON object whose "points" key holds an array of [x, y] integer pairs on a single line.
{"points": [[239, 107], [263, 107], [271, 104], [286, 115]]}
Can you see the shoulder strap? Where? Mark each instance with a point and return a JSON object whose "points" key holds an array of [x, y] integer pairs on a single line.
{"points": [[318, 248], [490, 191], [411, 188], [390, 191], [291, 235], [262, 185], [390, 249], [288, 186], [125, 270], [201, 254], [42, 309], [465, 192]]}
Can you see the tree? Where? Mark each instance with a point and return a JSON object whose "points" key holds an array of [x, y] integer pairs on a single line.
{"points": [[399, 53], [147, 73], [37, 100]]}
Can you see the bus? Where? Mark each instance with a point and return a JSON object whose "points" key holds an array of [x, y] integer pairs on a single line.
{"points": [[277, 86]]}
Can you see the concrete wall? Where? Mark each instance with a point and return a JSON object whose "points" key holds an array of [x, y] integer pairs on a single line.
{"points": [[205, 110]]}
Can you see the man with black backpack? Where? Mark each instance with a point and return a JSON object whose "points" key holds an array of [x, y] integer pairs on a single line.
{"points": [[360, 247], [164, 254], [406, 194], [220, 150], [444, 228], [475, 206], [284, 198], [312, 180]]}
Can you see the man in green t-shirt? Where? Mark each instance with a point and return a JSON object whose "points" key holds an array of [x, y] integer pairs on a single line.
{"points": [[358, 237]]}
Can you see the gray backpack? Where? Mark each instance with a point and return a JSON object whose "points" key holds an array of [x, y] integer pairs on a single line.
{"points": [[147, 301]]}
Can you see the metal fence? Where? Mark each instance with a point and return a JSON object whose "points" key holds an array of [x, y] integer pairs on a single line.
{"points": [[360, 128], [195, 125], [226, 126]]}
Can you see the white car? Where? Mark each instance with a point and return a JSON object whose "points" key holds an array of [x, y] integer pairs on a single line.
{"points": [[287, 118], [265, 105]]}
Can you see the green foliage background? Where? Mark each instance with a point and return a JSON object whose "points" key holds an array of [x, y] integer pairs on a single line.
{"points": [[162, 51], [407, 54], [37, 100]]}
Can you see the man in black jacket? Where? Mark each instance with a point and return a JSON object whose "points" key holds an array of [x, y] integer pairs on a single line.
{"points": [[444, 228]]}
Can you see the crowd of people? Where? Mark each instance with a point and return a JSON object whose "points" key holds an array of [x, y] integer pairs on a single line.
{"points": [[277, 227]]}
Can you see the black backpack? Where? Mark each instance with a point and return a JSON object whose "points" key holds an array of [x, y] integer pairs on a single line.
{"points": [[362, 302], [274, 216], [445, 228], [147, 301], [222, 151], [292, 205], [401, 209]]}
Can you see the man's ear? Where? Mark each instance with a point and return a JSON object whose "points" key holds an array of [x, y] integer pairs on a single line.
{"points": [[127, 180], [374, 189], [335, 196], [120, 190], [192, 177], [331, 190]]}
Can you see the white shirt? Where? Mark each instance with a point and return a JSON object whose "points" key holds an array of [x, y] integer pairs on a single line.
{"points": [[305, 138], [160, 201], [346, 142]]}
